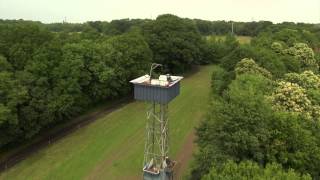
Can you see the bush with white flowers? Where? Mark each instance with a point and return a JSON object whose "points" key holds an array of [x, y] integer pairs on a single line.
{"points": [[305, 54], [307, 79], [249, 66]]}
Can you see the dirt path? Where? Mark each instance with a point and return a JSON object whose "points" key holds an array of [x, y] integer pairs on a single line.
{"points": [[49, 138], [184, 156]]}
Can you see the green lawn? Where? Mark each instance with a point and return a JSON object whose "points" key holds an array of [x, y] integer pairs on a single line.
{"points": [[112, 147], [241, 39], [244, 39]]}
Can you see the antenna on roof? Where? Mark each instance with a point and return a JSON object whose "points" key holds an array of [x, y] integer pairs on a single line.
{"points": [[153, 66]]}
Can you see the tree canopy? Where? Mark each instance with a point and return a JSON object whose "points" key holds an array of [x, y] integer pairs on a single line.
{"points": [[175, 42]]}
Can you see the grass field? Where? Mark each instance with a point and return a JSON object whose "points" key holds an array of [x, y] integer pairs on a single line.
{"points": [[241, 39], [112, 147], [244, 39]]}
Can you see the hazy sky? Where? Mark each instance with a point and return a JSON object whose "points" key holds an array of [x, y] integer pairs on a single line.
{"points": [[90, 10]]}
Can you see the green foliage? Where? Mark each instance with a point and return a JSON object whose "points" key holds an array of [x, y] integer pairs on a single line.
{"points": [[231, 42], [218, 48], [235, 127], [251, 170], [305, 54], [290, 97], [47, 77], [220, 79], [291, 64], [76, 155], [230, 60], [12, 95], [271, 61], [126, 56], [265, 58], [307, 79], [4, 64], [243, 125], [249, 66], [277, 47], [314, 95], [288, 36], [254, 117], [298, 93], [225, 27], [175, 42]]}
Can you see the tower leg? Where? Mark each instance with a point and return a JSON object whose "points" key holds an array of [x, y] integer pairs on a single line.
{"points": [[157, 142]]}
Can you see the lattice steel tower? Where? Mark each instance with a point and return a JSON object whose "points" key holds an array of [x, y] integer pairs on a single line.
{"points": [[157, 93]]}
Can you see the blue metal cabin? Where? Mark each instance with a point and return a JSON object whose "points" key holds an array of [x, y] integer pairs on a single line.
{"points": [[159, 90]]}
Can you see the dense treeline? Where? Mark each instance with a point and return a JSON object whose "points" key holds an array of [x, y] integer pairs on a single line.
{"points": [[250, 170], [264, 109], [50, 73], [205, 27], [46, 78], [266, 95], [250, 28]]}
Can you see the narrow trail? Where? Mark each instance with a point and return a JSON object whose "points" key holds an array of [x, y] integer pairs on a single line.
{"points": [[184, 156]]}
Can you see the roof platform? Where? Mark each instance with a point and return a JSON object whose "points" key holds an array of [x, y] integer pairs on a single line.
{"points": [[161, 90]]}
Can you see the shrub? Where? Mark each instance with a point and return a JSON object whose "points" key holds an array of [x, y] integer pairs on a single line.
{"points": [[243, 125], [251, 170], [219, 80], [249, 66], [305, 54]]}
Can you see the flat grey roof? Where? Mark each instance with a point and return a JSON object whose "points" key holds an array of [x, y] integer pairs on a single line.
{"points": [[145, 80]]}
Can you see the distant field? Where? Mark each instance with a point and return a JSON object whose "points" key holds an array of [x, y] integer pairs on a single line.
{"points": [[112, 147], [241, 39], [244, 39]]}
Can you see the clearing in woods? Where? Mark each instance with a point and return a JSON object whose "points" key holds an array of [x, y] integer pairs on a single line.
{"points": [[241, 39], [112, 146]]}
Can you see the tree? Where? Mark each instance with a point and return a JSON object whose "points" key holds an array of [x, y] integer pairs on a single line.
{"points": [[20, 39], [305, 54], [299, 94], [249, 66], [4, 64], [230, 60], [12, 95], [235, 127], [242, 125], [204, 27], [251, 170], [277, 47], [51, 77], [288, 36], [175, 42], [291, 97], [123, 57], [218, 48], [307, 79], [220, 79]]}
